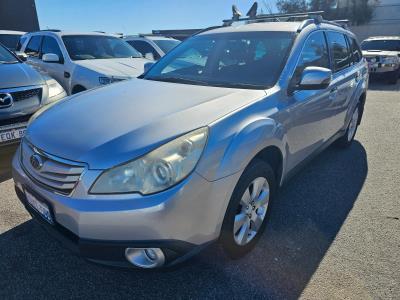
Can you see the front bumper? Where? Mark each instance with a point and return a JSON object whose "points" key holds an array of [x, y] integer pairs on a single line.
{"points": [[379, 68], [181, 220]]}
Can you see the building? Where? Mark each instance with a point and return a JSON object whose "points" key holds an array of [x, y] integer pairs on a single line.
{"points": [[19, 15], [385, 20]]}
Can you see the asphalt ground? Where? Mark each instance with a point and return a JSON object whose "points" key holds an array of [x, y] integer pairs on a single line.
{"points": [[334, 233]]}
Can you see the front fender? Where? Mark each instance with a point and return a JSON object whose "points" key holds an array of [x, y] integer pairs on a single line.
{"points": [[238, 146]]}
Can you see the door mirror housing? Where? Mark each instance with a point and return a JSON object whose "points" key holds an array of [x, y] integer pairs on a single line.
{"points": [[314, 78], [147, 66], [21, 55], [51, 58]]}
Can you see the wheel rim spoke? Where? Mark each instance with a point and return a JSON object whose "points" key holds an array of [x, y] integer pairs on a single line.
{"points": [[240, 219], [262, 200], [257, 187], [246, 198], [244, 233], [257, 222]]}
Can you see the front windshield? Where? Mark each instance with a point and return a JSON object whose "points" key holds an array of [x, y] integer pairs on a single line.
{"points": [[252, 60], [166, 45], [385, 45], [6, 57], [10, 40], [82, 47]]}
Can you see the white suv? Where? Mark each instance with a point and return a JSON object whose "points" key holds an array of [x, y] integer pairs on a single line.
{"points": [[152, 46], [81, 61]]}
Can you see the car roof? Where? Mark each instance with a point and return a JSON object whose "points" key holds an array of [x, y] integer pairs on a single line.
{"points": [[12, 32], [148, 37], [261, 26], [66, 33], [382, 38]]}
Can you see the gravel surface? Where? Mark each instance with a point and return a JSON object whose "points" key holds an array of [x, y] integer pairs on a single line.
{"points": [[334, 233]]}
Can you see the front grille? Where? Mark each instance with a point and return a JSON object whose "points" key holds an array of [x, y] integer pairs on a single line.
{"points": [[12, 121], [26, 94], [56, 174]]}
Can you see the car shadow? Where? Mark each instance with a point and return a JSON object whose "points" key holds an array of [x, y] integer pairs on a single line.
{"points": [[6, 155], [381, 84], [306, 217]]}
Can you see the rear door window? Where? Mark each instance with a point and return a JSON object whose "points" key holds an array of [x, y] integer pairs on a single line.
{"points": [[339, 50], [33, 47]]}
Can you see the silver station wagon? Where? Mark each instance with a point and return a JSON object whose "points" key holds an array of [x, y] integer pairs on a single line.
{"points": [[149, 171]]}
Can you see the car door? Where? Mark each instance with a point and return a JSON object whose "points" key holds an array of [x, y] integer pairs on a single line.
{"points": [[309, 110], [54, 69], [342, 83]]}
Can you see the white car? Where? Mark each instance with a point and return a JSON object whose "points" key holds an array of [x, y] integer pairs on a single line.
{"points": [[10, 38], [152, 46], [82, 61]]}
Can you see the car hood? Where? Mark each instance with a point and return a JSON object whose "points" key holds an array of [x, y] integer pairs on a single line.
{"points": [[124, 67], [117, 123], [379, 53], [18, 75]]}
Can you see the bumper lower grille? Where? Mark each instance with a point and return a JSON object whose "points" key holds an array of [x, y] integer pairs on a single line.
{"points": [[52, 173]]}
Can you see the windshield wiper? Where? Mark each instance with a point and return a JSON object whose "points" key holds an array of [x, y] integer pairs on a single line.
{"points": [[178, 80]]}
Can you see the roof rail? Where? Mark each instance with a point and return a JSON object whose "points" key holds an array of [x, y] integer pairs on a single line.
{"points": [[51, 30], [273, 17]]}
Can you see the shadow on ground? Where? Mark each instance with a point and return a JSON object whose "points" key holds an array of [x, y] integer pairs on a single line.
{"points": [[381, 84], [306, 218], [6, 154]]}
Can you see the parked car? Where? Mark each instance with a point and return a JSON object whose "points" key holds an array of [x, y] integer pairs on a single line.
{"points": [[81, 61], [152, 47], [149, 171], [10, 38], [22, 92], [383, 56]]}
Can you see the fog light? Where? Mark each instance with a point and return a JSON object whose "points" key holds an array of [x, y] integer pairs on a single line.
{"points": [[145, 257]]}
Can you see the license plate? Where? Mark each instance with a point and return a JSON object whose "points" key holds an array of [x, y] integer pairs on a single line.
{"points": [[12, 134], [40, 207]]}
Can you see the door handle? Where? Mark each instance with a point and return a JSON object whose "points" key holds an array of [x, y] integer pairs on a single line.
{"points": [[67, 75]]}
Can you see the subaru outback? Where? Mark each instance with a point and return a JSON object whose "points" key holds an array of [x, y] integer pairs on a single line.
{"points": [[156, 168]]}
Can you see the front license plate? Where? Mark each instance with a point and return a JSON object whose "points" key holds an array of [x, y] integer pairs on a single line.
{"points": [[40, 207], [12, 134]]}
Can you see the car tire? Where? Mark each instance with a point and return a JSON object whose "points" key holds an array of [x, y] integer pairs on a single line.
{"points": [[238, 240], [347, 139], [393, 76]]}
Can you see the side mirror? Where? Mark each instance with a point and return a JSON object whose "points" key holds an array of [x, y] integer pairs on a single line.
{"points": [[147, 66], [50, 58], [21, 55], [149, 56], [314, 78]]}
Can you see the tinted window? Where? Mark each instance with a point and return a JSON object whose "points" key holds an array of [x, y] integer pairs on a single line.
{"points": [[21, 41], [314, 54], [166, 45], [252, 60], [339, 50], [355, 50], [144, 48], [9, 40], [386, 45], [33, 47], [81, 47], [50, 45], [6, 57]]}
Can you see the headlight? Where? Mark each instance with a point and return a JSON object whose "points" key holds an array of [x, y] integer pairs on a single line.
{"points": [[54, 88], [158, 170], [109, 80]]}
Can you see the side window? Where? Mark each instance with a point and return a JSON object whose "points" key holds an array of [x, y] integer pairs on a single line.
{"points": [[33, 47], [314, 54], [339, 50], [50, 45], [21, 41], [144, 48], [355, 50]]}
